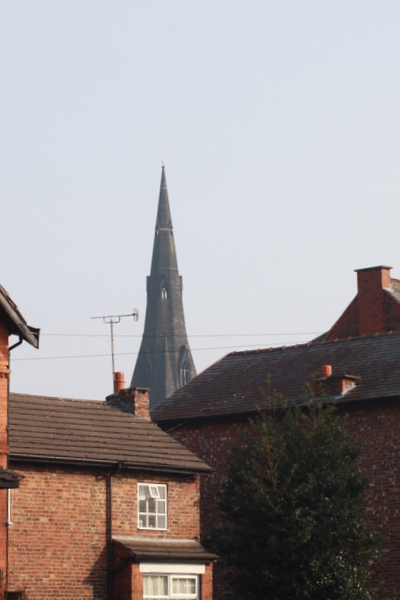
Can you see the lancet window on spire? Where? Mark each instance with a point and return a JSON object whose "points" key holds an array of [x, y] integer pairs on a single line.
{"points": [[184, 375]]}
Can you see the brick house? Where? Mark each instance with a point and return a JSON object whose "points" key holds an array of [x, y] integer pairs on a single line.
{"points": [[109, 505], [104, 503], [358, 361], [11, 323]]}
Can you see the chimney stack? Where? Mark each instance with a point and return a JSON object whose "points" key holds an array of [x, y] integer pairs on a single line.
{"points": [[334, 385], [371, 307], [136, 399]]}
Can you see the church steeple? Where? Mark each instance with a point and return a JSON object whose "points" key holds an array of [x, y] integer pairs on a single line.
{"points": [[164, 362]]}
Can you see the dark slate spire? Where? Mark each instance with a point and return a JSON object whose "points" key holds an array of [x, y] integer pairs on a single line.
{"points": [[164, 362]]}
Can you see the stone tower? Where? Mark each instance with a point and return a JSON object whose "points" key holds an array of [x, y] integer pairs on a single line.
{"points": [[164, 362]]}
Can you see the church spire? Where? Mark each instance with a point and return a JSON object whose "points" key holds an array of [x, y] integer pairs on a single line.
{"points": [[164, 362]]}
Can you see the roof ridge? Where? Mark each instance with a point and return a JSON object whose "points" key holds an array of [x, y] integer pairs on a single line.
{"points": [[61, 398], [312, 343]]}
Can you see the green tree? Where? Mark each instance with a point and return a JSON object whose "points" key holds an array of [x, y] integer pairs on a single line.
{"points": [[291, 507]]}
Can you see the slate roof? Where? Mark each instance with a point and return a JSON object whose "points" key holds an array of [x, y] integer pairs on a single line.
{"points": [[91, 432], [164, 549], [232, 385]]}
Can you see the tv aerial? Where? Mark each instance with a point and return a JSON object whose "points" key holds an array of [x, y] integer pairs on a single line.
{"points": [[112, 320]]}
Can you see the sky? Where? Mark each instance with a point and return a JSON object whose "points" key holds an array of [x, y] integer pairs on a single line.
{"points": [[280, 127]]}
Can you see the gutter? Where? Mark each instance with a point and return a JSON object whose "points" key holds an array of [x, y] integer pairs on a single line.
{"points": [[29, 458]]}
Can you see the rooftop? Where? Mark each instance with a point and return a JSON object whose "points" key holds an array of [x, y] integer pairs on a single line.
{"points": [[46, 429], [181, 551], [233, 385]]}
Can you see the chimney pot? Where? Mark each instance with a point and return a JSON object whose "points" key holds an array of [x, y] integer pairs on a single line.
{"points": [[326, 370], [119, 381]]}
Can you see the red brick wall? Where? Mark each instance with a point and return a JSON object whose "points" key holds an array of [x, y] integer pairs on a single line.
{"points": [[122, 584], [183, 506], [137, 583], [371, 312], [206, 584], [376, 427], [4, 377], [57, 544]]}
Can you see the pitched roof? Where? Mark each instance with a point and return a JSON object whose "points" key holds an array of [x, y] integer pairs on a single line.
{"points": [[15, 321], [232, 385], [165, 549], [91, 432]]}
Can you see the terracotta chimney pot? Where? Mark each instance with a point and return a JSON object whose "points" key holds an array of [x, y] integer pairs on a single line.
{"points": [[326, 370], [119, 381]]}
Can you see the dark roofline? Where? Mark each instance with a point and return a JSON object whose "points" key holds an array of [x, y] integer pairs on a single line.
{"points": [[18, 325], [314, 342], [76, 462], [342, 403], [165, 550], [372, 268]]}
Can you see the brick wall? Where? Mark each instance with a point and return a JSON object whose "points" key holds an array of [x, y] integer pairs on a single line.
{"points": [[4, 377], [377, 427], [183, 506], [57, 543], [373, 310]]}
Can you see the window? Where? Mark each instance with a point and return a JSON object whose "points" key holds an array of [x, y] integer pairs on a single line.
{"points": [[152, 513], [161, 587], [184, 373]]}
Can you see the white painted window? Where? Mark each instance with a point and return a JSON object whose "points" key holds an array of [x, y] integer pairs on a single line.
{"points": [[162, 587], [152, 501]]}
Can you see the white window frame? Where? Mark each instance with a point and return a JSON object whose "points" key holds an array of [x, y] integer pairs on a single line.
{"points": [[170, 578], [157, 493]]}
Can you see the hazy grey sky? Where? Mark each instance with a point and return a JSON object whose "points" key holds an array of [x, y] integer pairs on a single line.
{"points": [[280, 125]]}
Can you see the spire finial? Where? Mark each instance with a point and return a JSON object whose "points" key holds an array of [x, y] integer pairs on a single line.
{"points": [[162, 161]]}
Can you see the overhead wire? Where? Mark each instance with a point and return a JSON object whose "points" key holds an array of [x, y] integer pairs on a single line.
{"points": [[150, 353], [206, 335]]}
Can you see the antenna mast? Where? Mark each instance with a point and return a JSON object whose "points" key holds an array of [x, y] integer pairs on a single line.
{"points": [[113, 320]]}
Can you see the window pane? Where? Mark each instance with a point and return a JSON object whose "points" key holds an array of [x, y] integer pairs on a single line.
{"points": [[142, 521], [182, 585], [161, 522], [152, 505], [155, 585]]}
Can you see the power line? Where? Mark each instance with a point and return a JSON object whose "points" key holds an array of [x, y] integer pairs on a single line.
{"points": [[199, 335], [136, 353]]}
